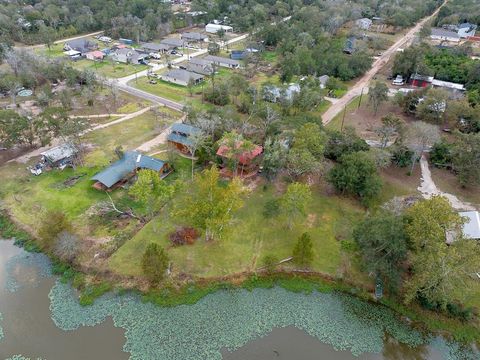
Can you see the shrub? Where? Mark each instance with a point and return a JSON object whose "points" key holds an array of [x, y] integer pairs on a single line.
{"points": [[271, 209], [270, 262], [184, 236], [402, 156], [154, 263], [303, 251], [53, 223]]}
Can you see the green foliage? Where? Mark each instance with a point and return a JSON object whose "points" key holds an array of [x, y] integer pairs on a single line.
{"points": [[383, 245], [9, 230], [271, 208], [92, 292], [303, 251], [377, 94], [466, 158], [270, 261], [342, 143], [293, 204], [154, 263], [357, 175], [402, 156], [311, 138], [441, 154], [53, 223]]}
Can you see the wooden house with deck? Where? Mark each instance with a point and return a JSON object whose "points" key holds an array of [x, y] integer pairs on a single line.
{"points": [[248, 160], [123, 170], [180, 137]]}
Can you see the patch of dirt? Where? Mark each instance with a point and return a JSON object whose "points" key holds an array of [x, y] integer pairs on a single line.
{"points": [[311, 220]]}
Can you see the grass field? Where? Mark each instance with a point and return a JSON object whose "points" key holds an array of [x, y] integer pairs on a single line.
{"points": [[250, 239], [108, 68]]}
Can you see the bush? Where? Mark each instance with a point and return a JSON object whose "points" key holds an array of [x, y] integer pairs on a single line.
{"points": [[303, 251], [154, 263], [271, 209], [184, 236], [441, 154], [53, 223], [270, 262], [402, 156]]}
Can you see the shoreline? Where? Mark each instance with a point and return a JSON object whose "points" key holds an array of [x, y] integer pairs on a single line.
{"points": [[425, 321]]}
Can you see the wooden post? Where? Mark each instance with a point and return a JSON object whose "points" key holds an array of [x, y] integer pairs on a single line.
{"points": [[343, 118]]}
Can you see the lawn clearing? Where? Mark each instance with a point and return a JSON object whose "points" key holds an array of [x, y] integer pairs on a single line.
{"points": [[251, 238], [108, 68]]}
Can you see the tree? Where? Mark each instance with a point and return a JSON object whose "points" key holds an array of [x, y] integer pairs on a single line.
{"points": [[420, 135], [356, 174], [440, 270], [208, 205], [66, 246], [197, 140], [310, 137], [392, 126], [341, 143], [293, 204], [14, 128], [270, 262], [53, 222], [154, 263], [300, 162], [274, 157], [151, 191], [466, 158], [236, 145], [433, 106], [377, 94], [383, 245], [303, 251]]}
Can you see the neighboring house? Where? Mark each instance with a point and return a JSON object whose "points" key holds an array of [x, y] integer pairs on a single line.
{"points": [[173, 43], [237, 55], [193, 37], [444, 35], [448, 85], [466, 30], [421, 80], [205, 69], [58, 157], [364, 23], [323, 81], [471, 228], [224, 62], [95, 55], [214, 28], [247, 160], [121, 171], [350, 45], [128, 56], [81, 45], [180, 137], [154, 47], [274, 94], [181, 77]]}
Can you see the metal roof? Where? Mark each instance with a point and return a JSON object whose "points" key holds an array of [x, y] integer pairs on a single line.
{"points": [[172, 42], [154, 46], [182, 75], [60, 152], [120, 169], [185, 129], [471, 228], [194, 36], [219, 59], [176, 138], [444, 33]]}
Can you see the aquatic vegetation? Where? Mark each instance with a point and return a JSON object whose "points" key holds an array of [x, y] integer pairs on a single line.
{"points": [[452, 350], [37, 263], [230, 318], [21, 357]]}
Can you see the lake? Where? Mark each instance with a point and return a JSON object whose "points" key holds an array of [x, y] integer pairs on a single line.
{"points": [[41, 318]]}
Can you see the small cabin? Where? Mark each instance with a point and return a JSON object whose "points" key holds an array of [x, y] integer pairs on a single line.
{"points": [[180, 137]]}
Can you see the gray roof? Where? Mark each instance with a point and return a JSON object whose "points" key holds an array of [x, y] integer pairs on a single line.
{"points": [[60, 152], [120, 169], [444, 33], [194, 36], [154, 46], [81, 45], [323, 79], [219, 59], [199, 61], [176, 138], [471, 228], [185, 129], [199, 69], [182, 75], [467, 25], [172, 42]]}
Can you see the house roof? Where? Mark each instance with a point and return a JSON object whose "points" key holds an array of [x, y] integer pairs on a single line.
{"points": [[467, 25], [60, 152], [199, 61], [185, 129], [120, 169], [182, 75], [176, 138], [199, 69], [219, 59], [243, 158], [323, 79], [82, 45], [471, 228], [155, 46], [194, 36], [419, 77], [96, 53], [172, 42], [72, 52], [444, 33]]}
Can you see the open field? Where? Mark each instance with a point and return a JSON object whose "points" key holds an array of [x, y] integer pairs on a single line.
{"points": [[109, 68]]}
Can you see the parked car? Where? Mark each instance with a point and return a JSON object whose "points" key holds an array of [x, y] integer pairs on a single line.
{"points": [[398, 81], [155, 55]]}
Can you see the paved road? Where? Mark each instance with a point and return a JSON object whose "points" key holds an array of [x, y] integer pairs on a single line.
{"points": [[363, 82]]}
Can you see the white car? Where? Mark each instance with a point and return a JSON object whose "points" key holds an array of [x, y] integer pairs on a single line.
{"points": [[398, 81], [155, 55]]}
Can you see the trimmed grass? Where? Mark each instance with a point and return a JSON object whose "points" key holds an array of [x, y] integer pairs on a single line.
{"points": [[250, 239], [109, 69], [336, 123]]}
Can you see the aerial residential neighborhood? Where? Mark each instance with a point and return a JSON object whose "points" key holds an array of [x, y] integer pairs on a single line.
{"points": [[225, 179]]}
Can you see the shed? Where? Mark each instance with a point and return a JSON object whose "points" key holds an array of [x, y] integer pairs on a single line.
{"points": [[59, 156], [181, 77], [124, 169], [421, 80], [214, 28]]}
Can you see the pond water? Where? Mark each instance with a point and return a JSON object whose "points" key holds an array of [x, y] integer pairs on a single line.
{"points": [[41, 318]]}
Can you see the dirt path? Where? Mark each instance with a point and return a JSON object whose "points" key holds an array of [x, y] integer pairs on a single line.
{"points": [[61, 40], [428, 188], [160, 139], [362, 83]]}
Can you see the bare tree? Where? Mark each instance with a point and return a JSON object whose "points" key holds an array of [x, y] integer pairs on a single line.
{"points": [[196, 141], [67, 246], [420, 136]]}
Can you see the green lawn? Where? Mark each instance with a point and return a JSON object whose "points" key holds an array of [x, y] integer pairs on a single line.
{"points": [[336, 123], [56, 50], [108, 68], [174, 92], [250, 239]]}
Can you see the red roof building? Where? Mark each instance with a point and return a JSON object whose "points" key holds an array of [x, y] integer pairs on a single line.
{"points": [[246, 160]]}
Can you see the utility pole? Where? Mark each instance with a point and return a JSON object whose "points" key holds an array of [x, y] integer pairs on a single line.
{"points": [[361, 96], [343, 118]]}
